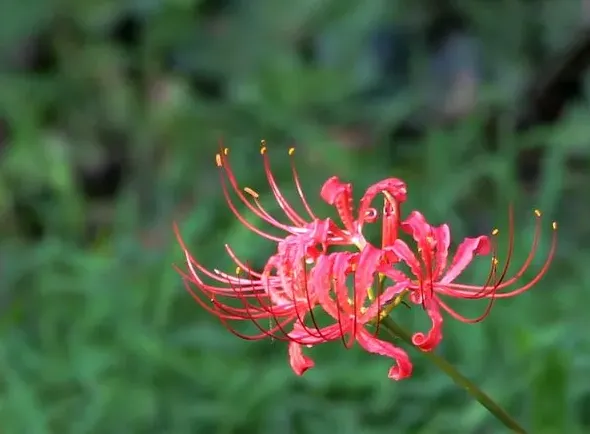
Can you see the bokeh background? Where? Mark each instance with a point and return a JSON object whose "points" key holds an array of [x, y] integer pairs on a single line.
{"points": [[110, 115]]}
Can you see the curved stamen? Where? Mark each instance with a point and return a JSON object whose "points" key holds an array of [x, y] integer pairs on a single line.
{"points": [[464, 319], [295, 218], [339, 289], [464, 291], [225, 168], [298, 186], [267, 217], [292, 294], [310, 307], [239, 262], [269, 312]]}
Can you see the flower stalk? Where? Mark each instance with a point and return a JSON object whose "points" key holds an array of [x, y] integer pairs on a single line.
{"points": [[395, 330]]}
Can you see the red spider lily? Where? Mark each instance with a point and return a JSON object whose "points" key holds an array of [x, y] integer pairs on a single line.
{"points": [[352, 314], [282, 295], [434, 277]]}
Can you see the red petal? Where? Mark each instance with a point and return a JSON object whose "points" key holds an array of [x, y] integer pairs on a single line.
{"points": [[467, 250], [429, 341], [299, 361], [404, 253], [369, 259], [320, 281], [395, 187], [417, 226], [442, 236], [370, 343], [339, 194]]}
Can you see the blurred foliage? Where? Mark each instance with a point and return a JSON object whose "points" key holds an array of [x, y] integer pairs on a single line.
{"points": [[110, 115]]}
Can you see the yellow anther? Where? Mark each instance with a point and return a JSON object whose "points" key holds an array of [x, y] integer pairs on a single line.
{"points": [[218, 160], [495, 232], [538, 213], [554, 225], [238, 270], [495, 261], [225, 151], [291, 151], [251, 192], [262, 150]]}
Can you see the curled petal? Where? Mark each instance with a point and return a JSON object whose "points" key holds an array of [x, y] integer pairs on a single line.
{"points": [[429, 341], [467, 250], [403, 366], [299, 361], [396, 188], [339, 194], [417, 226]]}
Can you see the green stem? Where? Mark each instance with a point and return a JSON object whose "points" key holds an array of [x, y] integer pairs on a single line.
{"points": [[396, 330]]}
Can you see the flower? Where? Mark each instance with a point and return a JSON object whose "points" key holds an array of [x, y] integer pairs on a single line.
{"points": [[434, 278], [280, 300], [357, 288]]}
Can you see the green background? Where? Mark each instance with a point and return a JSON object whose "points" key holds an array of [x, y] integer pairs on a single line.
{"points": [[97, 334]]}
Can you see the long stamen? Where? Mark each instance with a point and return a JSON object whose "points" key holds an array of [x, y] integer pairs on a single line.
{"points": [[225, 168], [192, 264], [309, 308], [339, 317], [295, 218], [309, 305], [280, 325], [354, 310], [273, 315], [464, 291], [298, 186], [267, 217], [378, 301], [239, 262]]}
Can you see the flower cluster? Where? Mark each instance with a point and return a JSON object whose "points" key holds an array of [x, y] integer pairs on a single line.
{"points": [[355, 285]]}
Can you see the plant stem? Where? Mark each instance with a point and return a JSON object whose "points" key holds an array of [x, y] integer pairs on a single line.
{"points": [[396, 330]]}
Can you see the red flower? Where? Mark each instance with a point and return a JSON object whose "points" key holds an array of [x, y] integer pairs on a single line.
{"points": [[280, 300], [434, 278], [304, 275]]}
